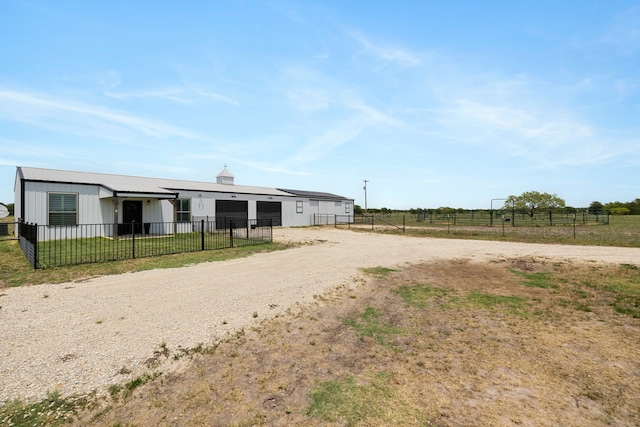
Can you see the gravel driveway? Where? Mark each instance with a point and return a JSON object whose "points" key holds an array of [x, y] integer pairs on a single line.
{"points": [[82, 336]]}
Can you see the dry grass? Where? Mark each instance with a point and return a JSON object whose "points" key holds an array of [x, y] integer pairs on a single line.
{"points": [[448, 343], [15, 270]]}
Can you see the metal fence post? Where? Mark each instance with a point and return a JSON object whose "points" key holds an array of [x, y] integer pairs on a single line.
{"points": [[35, 246], [133, 239], [231, 233], [202, 232]]}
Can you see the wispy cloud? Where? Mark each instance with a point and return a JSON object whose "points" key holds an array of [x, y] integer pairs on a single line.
{"points": [[384, 54], [80, 118], [178, 95], [219, 97], [175, 95], [624, 32], [543, 138], [32, 150], [307, 99], [343, 131]]}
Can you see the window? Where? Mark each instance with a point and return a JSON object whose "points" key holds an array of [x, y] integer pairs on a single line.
{"points": [[347, 208], [298, 206], [184, 210], [63, 209]]}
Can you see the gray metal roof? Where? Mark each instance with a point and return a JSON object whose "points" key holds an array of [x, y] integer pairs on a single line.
{"points": [[315, 195], [136, 184]]}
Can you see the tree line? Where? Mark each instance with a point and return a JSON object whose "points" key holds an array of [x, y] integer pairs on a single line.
{"points": [[529, 202]]}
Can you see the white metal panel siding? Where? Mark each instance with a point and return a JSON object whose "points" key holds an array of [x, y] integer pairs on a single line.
{"points": [[104, 193], [252, 210], [290, 215], [106, 211], [17, 198], [202, 203], [166, 211], [36, 207]]}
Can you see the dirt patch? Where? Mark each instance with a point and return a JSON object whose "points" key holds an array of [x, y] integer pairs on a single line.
{"points": [[445, 343]]}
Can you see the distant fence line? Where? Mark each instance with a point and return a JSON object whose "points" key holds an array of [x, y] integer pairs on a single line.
{"points": [[49, 246], [513, 217]]}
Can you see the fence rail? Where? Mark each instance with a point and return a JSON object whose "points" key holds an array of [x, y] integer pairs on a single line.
{"points": [[514, 217], [48, 246]]}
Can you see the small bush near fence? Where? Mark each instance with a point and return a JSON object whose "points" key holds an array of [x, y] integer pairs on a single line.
{"points": [[91, 243]]}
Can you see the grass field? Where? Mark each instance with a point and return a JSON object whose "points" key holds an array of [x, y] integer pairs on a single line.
{"points": [[15, 270], [621, 231], [445, 343]]}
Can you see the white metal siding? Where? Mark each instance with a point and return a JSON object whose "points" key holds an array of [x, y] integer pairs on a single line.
{"points": [[17, 199], [95, 204]]}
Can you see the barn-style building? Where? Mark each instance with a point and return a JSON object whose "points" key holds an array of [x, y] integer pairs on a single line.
{"points": [[62, 198]]}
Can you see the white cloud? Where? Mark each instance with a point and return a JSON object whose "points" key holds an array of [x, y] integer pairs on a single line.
{"points": [[175, 95], [219, 97], [178, 95], [308, 99], [624, 32], [78, 118], [343, 131], [385, 54]]}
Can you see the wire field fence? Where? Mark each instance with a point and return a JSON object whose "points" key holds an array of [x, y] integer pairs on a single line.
{"points": [[488, 218], [47, 246], [514, 218]]}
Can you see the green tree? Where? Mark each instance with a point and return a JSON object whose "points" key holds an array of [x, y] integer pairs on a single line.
{"points": [[619, 211], [595, 207], [531, 201], [634, 207]]}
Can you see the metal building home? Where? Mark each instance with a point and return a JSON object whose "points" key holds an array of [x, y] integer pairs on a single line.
{"points": [[154, 206]]}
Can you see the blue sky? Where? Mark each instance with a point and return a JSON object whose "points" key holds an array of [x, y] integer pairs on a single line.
{"points": [[434, 103]]}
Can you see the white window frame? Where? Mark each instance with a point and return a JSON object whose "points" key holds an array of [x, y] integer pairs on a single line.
{"points": [[299, 206]]}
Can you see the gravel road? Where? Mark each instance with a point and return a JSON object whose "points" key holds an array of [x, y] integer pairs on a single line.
{"points": [[84, 336]]}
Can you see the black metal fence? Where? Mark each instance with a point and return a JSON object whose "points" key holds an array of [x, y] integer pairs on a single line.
{"points": [[54, 246], [513, 217]]}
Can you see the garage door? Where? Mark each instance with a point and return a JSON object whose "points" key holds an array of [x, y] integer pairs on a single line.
{"points": [[232, 210], [270, 211]]}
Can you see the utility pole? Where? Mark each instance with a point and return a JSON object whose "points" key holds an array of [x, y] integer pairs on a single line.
{"points": [[365, 195]]}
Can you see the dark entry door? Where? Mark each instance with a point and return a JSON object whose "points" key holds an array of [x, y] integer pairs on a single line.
{"points": [[132, 213]]}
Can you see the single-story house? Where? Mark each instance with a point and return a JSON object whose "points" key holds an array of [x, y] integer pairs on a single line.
{"points": [[68, 198]]}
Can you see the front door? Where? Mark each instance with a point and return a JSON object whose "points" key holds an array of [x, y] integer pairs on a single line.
{"points": [[132, 213]]}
